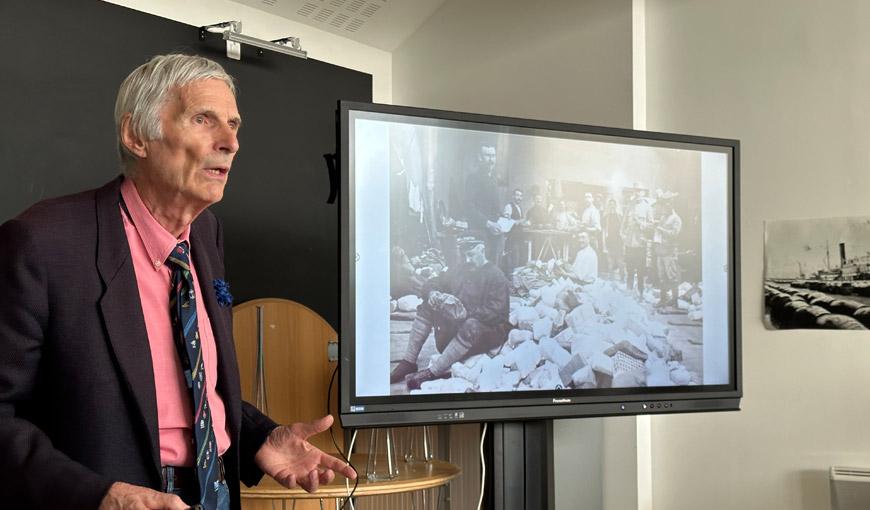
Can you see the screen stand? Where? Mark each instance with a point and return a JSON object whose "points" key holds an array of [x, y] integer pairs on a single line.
{"points": [[519, 465], [381, 464]]}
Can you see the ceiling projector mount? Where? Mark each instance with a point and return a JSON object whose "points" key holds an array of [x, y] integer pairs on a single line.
{"points": [[231, 32]]}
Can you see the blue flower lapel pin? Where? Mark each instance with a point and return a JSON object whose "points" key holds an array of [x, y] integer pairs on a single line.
{"points": [[222, 291]]}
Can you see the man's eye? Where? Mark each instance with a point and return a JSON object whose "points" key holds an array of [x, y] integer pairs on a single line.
{"points": [[199, 119]]}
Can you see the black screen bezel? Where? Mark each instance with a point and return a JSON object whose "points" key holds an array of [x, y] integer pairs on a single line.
{"points": [[506, 406]]}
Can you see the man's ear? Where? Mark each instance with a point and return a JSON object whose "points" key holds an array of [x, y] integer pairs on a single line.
{"points": [[131, 141]]}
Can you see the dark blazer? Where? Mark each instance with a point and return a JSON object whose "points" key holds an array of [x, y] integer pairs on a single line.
{"points": [[77, 401]]}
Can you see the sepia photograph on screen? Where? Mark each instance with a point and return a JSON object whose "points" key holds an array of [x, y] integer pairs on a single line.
{"points": [[522, 262]]}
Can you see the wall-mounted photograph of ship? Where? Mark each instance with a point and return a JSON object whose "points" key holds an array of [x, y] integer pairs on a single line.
{"points": [[817, 274]]}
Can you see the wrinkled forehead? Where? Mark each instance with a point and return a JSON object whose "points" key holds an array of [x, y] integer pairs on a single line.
{"points": [[208, 94]]}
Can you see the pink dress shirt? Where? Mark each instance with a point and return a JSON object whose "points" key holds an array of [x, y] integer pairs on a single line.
{"points": [[150, 245]]}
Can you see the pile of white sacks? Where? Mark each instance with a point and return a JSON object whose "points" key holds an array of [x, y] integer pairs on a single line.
{"points": [[693, 303], [570, 336]]}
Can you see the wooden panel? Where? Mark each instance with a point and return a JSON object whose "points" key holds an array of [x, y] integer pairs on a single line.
{"points": [[465, 452], [296, 368], [297, 371]]}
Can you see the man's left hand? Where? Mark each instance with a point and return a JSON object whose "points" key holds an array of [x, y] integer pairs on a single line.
{"points": [[291, 460]]}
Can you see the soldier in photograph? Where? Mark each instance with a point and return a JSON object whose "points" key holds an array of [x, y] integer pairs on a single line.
{"points": [[483, 203], [667, 230], [467, 309], [636, 222]]}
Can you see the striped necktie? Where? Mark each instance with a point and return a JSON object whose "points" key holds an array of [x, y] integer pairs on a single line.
{"points": [[182, 309]]}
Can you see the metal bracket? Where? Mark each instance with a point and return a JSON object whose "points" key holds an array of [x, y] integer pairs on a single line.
{"points": [[231, 32]]}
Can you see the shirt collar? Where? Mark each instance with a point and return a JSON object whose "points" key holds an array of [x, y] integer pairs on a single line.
{"points": [[158, 241]]}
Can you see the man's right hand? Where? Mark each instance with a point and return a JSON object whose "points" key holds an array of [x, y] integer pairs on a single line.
{"points": [[123, 496]]}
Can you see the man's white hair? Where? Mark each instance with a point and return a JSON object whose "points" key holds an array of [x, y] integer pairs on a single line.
{"points": [[144, 92]]}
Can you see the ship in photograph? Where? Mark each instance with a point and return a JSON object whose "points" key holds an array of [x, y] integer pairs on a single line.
{"points": [[817, 274]]}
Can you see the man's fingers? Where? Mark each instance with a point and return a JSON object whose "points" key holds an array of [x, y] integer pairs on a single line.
{"points": [[338, 465], [132, 497], [312, 428], [171, 502], [289, 481], [326, 476], [313, 481]]}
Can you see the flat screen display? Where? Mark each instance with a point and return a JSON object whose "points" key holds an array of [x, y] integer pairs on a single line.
{"points": [[497, 268]]}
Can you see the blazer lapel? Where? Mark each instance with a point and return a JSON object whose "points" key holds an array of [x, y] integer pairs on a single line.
{"points": [[122, 314], [204, 250]]}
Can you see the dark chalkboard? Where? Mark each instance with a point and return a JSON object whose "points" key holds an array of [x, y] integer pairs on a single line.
{"points": [[63, 62]]}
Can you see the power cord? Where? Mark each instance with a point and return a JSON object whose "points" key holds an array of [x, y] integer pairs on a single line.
{"points": [[346, 481], [482, 467], [335, 443]]}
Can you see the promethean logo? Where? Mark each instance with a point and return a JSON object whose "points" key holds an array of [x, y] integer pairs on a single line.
{"points": [[561, 400]]}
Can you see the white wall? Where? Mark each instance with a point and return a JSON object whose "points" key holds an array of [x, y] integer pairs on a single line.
{"points": [[791, 80], [319, 44], [559, 60]]}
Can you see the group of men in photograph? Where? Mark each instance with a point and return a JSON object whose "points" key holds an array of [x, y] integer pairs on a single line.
{"points": [[468, 307]]}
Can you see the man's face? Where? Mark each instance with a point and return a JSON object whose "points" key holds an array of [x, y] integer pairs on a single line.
{"points": [[476, 256], [539, 200], [189, 166], [486, 158], [583, 240], [518, 196]]}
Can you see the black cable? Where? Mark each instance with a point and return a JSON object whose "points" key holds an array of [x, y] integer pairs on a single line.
{"points": [[335, 443]]}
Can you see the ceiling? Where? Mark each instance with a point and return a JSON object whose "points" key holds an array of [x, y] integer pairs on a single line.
{"points": [[384, 24]]}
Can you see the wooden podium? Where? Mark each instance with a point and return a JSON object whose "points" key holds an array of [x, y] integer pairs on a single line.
{"points": [[283, 364]]}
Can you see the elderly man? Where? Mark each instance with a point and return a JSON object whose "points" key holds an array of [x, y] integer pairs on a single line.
{"points": [[119, 387], [468, 309]]}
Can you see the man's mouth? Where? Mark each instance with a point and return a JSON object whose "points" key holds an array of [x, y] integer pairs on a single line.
{"points": [[218, 171]]}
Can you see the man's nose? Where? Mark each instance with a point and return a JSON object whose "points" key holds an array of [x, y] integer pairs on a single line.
{"points": [[227, 140]]}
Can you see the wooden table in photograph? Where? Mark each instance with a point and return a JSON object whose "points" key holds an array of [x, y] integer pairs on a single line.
{"points": [[546, 242], [412, 476]]}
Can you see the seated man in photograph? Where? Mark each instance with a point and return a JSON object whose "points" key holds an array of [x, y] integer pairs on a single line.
{"points": [[585, 267], [119, 387], [468, 311]]}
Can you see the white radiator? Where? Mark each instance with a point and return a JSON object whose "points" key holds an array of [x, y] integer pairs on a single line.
{"points": [[850, 488]]}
